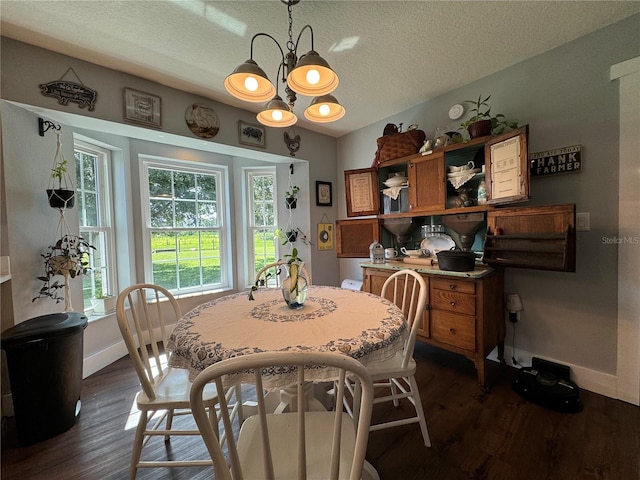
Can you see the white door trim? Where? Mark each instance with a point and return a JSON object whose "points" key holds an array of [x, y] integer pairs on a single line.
{"points": [[627, 73]]}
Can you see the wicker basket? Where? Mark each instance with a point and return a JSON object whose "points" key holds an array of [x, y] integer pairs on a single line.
{"points": [[399, 145]]}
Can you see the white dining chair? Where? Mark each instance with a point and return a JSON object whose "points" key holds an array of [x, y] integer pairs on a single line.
{"points": [[272, 274], [145, 312], [408, 290], [325, 445]]}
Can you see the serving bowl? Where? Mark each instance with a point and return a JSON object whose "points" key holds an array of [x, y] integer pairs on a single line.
{"points": [[414, 253], [396, 181]]}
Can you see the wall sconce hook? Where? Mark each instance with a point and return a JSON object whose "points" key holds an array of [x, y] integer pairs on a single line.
{"points": [[45, 125]]}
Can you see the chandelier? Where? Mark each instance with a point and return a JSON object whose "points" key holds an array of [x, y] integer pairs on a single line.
{"points": [[308, 75]]}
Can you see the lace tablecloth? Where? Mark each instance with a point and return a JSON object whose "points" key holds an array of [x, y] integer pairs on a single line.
{"points": [[359, 324]]}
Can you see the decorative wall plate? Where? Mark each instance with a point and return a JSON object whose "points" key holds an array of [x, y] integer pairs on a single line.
{"points": [[202, 120], [456, 111]]}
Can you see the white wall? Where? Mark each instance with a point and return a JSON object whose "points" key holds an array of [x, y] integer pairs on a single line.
{"points": [[566, 97]]}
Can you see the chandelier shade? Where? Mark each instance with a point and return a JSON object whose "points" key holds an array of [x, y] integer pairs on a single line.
{"points": [[277, 113], [312, 76], [324, 109], [248, 82], [308, 75]]}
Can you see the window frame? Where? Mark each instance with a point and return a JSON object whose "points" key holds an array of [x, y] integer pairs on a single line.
{"points": [[249, 225], [223, 204], [105, 215]]}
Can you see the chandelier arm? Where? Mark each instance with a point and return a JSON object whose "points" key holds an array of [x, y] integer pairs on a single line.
{"points": [[300, 35], [261, 34]]}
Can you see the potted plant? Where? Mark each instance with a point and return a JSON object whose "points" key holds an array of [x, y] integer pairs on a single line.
{"points": [[68, 257], [291, 197], [291, 236], [61, 193], [103, 303], [482, 122]]}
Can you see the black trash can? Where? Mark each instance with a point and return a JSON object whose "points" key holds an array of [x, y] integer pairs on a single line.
{"points": [[44, 360]]}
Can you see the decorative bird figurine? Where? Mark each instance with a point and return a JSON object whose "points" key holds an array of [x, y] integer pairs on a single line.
{"points": [[293, 143]]}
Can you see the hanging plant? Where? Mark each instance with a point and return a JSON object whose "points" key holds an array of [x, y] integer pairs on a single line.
{"points": [[291, 197], [61, 192], [67, 257]]}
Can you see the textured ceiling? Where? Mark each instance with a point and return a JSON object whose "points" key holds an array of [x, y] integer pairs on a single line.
{"points": [[390, 55]]}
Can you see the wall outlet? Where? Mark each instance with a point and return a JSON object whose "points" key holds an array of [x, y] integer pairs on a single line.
{"points": [[583, 222]]}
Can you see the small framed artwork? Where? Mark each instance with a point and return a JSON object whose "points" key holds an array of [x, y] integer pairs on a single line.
{"points": [[361, 190], [142, 108], [251, 134], [325, 236], [323, 194]]}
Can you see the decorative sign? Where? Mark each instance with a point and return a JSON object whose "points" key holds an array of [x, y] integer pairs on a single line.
{"points": [[560, 160], [325, 236], [251, 134], [142, 108], [505, 169], [66, 91]]}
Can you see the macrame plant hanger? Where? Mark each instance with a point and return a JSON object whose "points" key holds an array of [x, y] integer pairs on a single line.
{"points": [[60, 191]]}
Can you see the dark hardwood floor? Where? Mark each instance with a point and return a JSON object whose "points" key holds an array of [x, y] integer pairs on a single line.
{"points": [[475, 435]]}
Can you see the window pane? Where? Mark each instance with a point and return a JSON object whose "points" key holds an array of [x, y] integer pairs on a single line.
{"points": [[207, 214], [163, 259], [206, 187], [89, 163], [264, 246], [161, 213], [263, 187], [189, 259], [264, 215], [211, 272], [185, 214], [96, 282], [90, 205], [160, 183], [184, 185]]}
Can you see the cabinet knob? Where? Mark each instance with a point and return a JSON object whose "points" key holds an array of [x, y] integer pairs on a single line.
{"points": [[452, 330], [452, 286], [453, 304]]}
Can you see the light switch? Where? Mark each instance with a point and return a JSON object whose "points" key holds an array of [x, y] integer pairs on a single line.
{"points": [[583, 222]]}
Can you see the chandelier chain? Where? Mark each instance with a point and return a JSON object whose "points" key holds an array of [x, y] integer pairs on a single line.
{"points": [[290, 44]]}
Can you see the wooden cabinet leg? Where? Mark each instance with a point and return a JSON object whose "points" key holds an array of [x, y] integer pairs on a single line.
{"points": [[480, 367]]}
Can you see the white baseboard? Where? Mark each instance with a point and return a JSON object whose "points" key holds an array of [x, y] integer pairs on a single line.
{"points": [[110, 354], [587, 379], [105, 357]]}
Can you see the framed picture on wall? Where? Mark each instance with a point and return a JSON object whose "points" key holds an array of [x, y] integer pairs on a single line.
{"points": [[142, 108], [323, 194], [361, 191], [251, 134]]}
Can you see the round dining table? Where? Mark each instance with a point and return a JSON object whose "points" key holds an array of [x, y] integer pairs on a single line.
{"points": [[359, 324]]}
